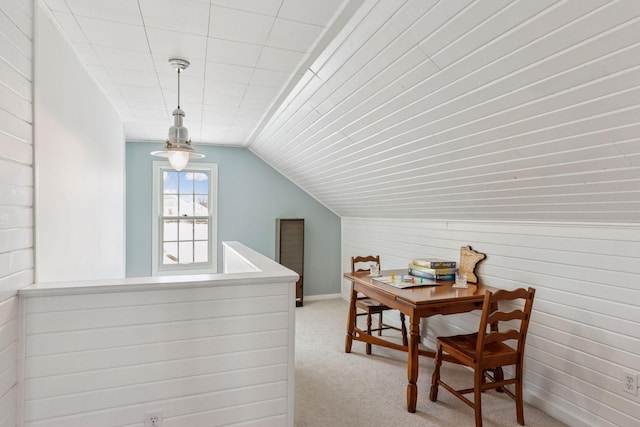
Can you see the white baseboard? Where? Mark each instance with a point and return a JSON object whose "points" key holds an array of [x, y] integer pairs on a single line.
{"points": [[322, 297]]}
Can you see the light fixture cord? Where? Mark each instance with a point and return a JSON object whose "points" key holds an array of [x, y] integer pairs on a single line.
{"points": [[178, 87]]}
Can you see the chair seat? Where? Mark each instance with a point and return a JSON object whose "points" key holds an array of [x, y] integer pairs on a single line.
{"points": [[493, 354], [372, 305]]}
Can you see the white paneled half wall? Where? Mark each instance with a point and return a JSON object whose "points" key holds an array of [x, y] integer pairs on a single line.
{"points": [[197, 355], [584, 333]]}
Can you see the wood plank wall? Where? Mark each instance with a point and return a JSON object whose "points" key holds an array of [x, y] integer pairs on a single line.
{"points": [[584, 332], [216, 355], [16, 188], [490, 110]]}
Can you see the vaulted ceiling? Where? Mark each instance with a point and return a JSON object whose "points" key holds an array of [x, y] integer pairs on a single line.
{"points": [[496, 110]]}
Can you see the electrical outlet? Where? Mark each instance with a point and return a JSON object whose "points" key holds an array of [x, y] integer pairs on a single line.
{"points": [[630, 383], [153, 419]]}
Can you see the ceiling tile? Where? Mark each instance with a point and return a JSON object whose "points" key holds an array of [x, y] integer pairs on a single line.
{"points": [[148, 113], [270, 78], [294, 35], [191, 97], [237, 25], [311, 12], [124, 58], [188, 84], [215, 88], [148, 103], [256, 103], [183, 16], [224, 101], [114, 34], [264, 7], [222, 111], [216, 120], [70, 27], [126, 45], [141, 92], [125, 11], [262, 92], [228, 72], [234, 53], [250, 113], [177, 45], [140, 130], [133, 77], [280, 59]]}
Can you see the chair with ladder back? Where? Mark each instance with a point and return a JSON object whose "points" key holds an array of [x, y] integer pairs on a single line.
{"points": [[487, 351], [369, 306]]}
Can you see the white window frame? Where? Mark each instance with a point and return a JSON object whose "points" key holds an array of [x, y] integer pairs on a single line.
{"points": [[157, 268]]}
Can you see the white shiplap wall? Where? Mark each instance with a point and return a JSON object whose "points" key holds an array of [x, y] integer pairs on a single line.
{"points": [[584, 331], [493, 110], [204, 356], [16, 188]]}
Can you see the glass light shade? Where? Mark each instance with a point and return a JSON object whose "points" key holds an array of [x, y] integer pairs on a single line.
{"points": [[178, 156], [178, 159]]}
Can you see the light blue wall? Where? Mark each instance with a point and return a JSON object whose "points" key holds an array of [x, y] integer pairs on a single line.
{"points": [[251, 195]]}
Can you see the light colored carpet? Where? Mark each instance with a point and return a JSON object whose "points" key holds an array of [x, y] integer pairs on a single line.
{"points": [[334, 388]]}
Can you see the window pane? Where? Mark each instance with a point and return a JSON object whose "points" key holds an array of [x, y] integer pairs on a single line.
{"points": [[201, 182], [201, 230], [200, 252], [186, 252], [185, 231], [186, 182], [202, 205], [170, 253], [170, 182], [186, 205], [170, 205], [170, 232]]}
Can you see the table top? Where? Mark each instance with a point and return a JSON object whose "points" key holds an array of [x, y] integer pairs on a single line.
{"points": [[431, 292]]}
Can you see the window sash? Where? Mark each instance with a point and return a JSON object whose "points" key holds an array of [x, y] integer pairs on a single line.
{"points": [[195, 264]]}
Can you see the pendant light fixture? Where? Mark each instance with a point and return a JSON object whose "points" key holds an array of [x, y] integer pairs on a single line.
{"points": [[178, 146]]}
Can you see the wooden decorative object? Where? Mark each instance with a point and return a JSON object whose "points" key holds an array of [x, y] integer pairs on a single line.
{"points": [[468, 261]]}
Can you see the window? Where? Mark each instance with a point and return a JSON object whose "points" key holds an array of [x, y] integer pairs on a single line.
{"points": [[184, 219]]}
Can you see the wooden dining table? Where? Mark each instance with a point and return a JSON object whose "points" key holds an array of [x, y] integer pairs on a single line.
{"points": [[428, 299]]}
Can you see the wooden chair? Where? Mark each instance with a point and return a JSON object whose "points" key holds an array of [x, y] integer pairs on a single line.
{"points": [[486, 352], [369, 306]]}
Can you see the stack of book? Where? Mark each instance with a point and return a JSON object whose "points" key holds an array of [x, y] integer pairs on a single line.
{"points": [[433, 268]]}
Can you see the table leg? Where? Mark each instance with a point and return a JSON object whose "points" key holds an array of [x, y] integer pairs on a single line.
{"points": [[351, 321], [412, 370]]}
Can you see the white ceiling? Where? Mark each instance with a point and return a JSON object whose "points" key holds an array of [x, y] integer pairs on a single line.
{"points": [[244, 56], [468, 109]]}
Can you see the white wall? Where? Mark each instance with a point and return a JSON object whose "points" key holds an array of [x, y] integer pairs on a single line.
{"points": [[79, 158], [584, 332], [204, 350], [16, 188]]}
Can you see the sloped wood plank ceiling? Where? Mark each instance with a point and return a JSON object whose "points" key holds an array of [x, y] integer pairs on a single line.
{"points": [[483, 110]]}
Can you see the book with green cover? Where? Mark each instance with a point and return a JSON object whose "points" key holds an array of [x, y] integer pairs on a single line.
{"points": [[433, 276]]}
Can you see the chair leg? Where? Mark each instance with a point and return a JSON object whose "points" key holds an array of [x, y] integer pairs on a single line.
{"points": [[433, 395], [477, 395], [405, 340], [380, 324], [518, 393], [368, 347]]}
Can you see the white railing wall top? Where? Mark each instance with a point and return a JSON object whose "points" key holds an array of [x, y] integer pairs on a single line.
{"points": [[240, 263]]}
